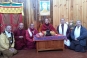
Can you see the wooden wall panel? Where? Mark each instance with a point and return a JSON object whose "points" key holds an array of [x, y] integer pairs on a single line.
{"points": [[60, 10], [84, 13], [69, 10]]}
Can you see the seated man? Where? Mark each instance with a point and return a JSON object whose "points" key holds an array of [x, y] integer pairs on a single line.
{"points": [[0, 26], [0, 29], [20, 37], [48, 28], [63, 28], [78, 35], [7, 43], [30, 32]]}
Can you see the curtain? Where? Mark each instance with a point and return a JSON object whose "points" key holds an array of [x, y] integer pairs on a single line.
{"points": [[10, 19], [10, 14]]}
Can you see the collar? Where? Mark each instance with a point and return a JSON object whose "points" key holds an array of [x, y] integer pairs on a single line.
{"points": [[7, 32], [77, 26]]}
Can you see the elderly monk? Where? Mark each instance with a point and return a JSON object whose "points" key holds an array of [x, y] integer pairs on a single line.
{"points": [[0, 23], [7, 43], [78, 35], [20, 37], [0, 28], [30, 32], [48, 28]]}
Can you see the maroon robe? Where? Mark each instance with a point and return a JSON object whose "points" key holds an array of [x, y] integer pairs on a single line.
{"points": [[48, 26], [20, 43], [0, 29], [30, 43], [0, 23]]}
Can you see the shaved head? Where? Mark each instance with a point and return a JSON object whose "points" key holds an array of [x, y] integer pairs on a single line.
{"points": [[21, 25], [46, 21], [32, 26], [62, 21]]}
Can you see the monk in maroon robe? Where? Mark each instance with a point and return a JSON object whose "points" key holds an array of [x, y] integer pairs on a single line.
{"points": [[0, 29], [47, 26], [30, 32], [20, 37], [0, 23]]}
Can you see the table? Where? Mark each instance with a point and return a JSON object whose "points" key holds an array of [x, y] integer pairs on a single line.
{"points": [[49, 42]]}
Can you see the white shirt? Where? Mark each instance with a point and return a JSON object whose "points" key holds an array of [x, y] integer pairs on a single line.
{"points": [[77, 32], [8, 34]]}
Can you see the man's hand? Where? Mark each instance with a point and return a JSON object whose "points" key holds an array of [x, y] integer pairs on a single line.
{"points": [[76, 39], [20, 36], [11, 49]]}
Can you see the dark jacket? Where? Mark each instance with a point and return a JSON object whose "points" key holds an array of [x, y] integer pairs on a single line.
{"points": [[82, 37], [67, 33]]}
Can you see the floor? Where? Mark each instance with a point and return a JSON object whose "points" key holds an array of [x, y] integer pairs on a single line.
{"points": [[50, 54]]}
